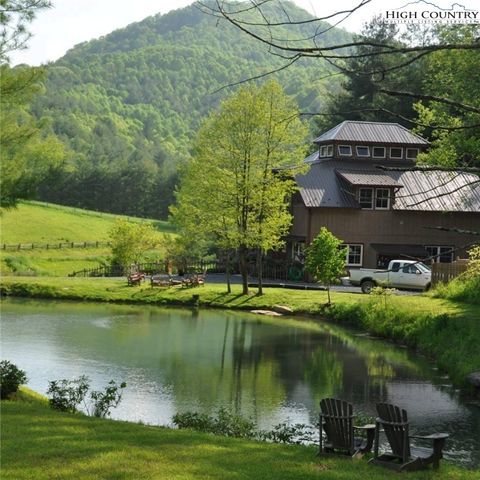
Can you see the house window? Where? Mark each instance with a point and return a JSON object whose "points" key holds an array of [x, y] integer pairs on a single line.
{"points": [[440, 254], [363, 151], [329, 150], [382, 200], [298, 251], [345, 150], [366, 198], [354, 254], [412, 153], [396, 152], [323, 151], [378, 152]]}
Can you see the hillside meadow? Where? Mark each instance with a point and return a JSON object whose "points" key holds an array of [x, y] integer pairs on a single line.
{"points": [[45, 223]]}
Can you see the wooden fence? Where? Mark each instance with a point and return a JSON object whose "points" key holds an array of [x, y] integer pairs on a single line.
{"points": [[52, 246], [445, 272]]}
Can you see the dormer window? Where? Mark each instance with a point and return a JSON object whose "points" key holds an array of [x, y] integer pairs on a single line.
{"points": [[345, 150], [363, 151], [378, 152], [382, 200], [326, 151], [412, 153], [366, 198], [396, 152]]}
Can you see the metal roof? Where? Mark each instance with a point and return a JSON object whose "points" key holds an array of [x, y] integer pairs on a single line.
{"points": [[438, 191], [435, 190], [371, 132], [373, 178]]}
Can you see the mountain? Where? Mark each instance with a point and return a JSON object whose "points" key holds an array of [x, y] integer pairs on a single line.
{"points": [[128, 104]]}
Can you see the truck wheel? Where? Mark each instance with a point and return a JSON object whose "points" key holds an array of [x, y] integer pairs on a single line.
{"points": [[367, 286], [428, 286]]}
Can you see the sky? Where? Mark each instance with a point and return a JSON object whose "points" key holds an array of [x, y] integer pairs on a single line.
{"points": [[70, 22]]}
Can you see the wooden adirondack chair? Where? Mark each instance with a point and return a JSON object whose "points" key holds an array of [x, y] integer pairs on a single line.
{"points": [[336, 420], [403, 456]]}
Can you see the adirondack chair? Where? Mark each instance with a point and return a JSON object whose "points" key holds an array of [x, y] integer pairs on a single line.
{"points": [[336, 420], [403, 456]]}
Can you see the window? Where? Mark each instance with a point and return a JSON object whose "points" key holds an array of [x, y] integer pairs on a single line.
{"points": [[363, 151], [345, 150], [298, 251], [382, 201], [396, 152], [354, 255], [440, 254], [366, 198], [410, 269], [329, 150], [323, 151], [378, 152], [411, 153], [395, 267]]}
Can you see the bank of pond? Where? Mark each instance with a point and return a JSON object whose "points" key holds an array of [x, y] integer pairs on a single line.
{"points": [[198, 360]]}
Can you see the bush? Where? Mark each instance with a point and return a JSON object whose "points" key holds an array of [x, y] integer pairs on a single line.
{"points": [[231, 425], [67, 395], [11, 377], [226, 423]]}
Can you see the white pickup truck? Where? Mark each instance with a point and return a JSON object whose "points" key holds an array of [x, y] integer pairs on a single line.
{"points": [[407, 274]]}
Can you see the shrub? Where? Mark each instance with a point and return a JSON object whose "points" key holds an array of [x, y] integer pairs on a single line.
{"points": [[67, 395], [225, 423], [232, 425], [11, 377], [104, 401]]}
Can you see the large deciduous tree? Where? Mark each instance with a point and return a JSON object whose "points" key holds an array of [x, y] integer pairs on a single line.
{"points": [[236, 188]]}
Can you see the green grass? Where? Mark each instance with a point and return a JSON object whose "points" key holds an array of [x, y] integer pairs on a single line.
{"points": [[35, 222], [443, 329], [40, 443], [50, 223]]}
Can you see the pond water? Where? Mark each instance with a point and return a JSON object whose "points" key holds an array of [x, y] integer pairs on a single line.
{"points": [[177, 360]]}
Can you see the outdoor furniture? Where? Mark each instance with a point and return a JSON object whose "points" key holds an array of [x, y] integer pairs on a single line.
{"points": [[403, 456], [336, 420], [163, 280], [135, 279], [193, 280]]}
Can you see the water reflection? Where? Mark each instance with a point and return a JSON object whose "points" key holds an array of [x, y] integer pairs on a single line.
{"points": [[178, 360]]}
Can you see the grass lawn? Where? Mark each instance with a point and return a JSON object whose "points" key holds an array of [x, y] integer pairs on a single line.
{"points": [[446, 330], [36, 222], [50, 223], [40, 443]]}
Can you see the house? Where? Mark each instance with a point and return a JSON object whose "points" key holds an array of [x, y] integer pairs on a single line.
{"points": [[382, 214]]}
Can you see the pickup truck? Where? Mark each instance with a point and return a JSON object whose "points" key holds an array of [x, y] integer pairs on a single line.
{"points": [[407, 274]]}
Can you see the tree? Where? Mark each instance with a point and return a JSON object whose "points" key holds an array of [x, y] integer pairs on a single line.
{"points": [[236, 188], [29, 152], [131, 241], [325, 260], [14, 17], [452, 75]]}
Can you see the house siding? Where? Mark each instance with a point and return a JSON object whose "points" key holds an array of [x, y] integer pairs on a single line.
{"points": [[369, 227]]}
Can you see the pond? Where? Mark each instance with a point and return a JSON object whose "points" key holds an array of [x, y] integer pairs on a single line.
{"points": [[177, 360]]}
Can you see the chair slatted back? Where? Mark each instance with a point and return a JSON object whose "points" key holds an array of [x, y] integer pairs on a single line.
{"points": [[338, 422], [395, 424]]}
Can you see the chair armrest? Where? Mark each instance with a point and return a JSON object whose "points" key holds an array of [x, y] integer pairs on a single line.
{"points": [[370, 426], [433, 436]]}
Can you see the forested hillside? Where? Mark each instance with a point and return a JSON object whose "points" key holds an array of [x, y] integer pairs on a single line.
{"points": [[128, 104]]}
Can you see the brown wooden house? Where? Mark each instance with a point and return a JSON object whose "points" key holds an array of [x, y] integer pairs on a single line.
{"points": [[382, 214]]}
